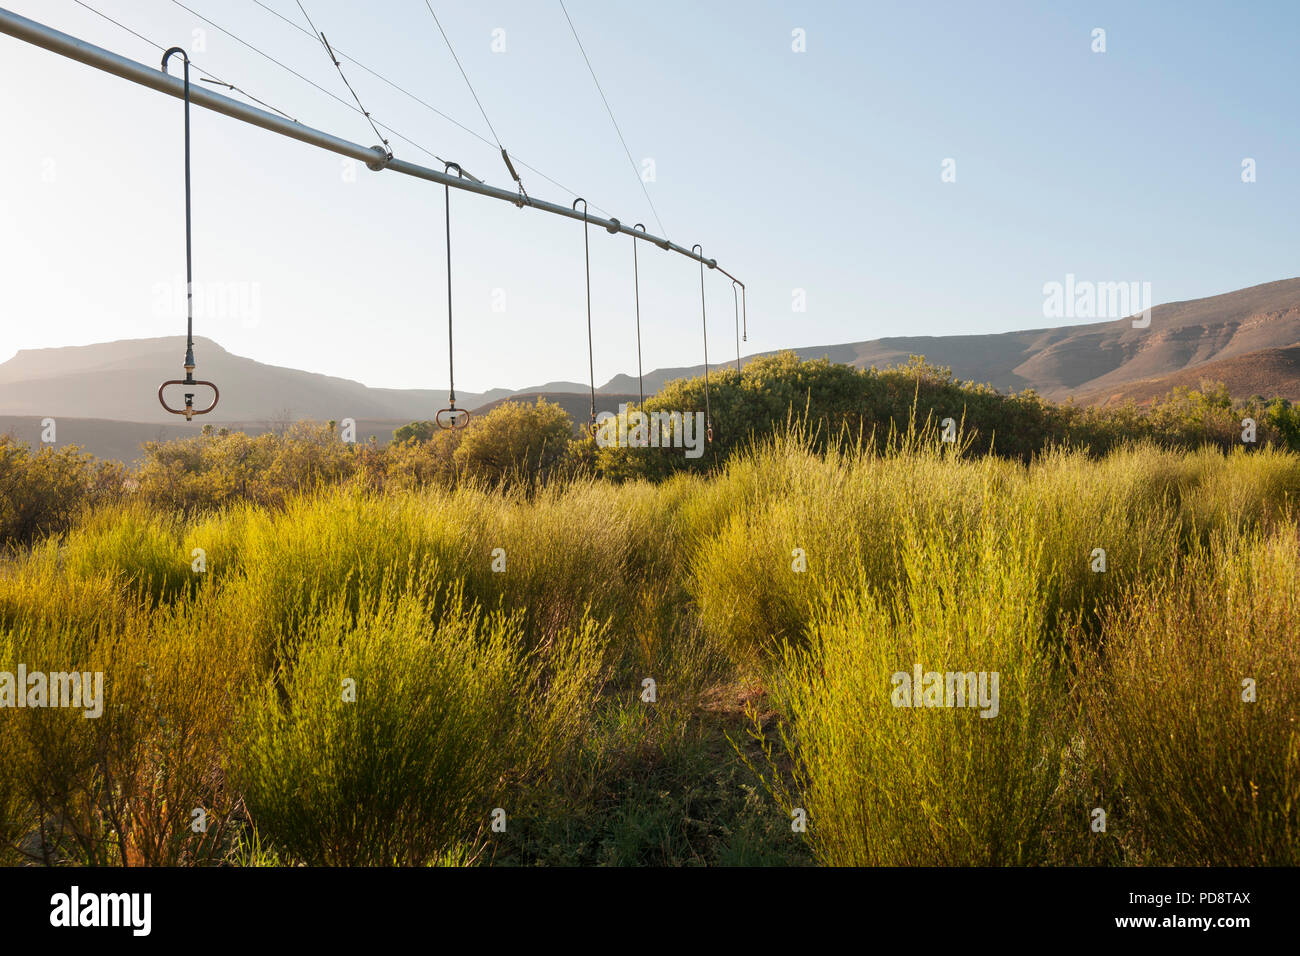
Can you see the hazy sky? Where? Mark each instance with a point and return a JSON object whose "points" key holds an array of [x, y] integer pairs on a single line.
{"points": [[817, 171]]}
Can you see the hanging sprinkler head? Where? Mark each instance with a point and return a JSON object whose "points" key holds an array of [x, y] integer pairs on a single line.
{"points": [[704, 320], [189, 411], [450, 417], [591, 355]]}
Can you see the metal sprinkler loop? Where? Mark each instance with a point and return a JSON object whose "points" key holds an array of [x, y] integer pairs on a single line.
{"points": [[189, 411], [451, 416]]}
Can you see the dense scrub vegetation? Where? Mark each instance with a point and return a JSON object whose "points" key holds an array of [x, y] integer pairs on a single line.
{"points": [[522, 445], [425, 654], [835, 402]]}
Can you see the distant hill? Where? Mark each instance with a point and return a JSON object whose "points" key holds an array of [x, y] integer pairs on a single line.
{"points": [[1085, 359], [121, 380], [1272, 373]]}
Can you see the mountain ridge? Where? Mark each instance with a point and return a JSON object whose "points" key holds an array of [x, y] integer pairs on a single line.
{"points": [[1093, 362]]}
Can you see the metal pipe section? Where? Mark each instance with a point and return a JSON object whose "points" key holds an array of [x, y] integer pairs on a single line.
{"points": [[49, 39], [375, 157]]}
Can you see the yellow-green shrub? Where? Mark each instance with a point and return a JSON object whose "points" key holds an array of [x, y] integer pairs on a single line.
{"points": [[1205, 775], [43, 493], [444, 712], [121, 788], [896, 785]]}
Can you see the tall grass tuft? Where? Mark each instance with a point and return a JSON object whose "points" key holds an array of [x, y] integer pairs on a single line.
{"points": [[884, 784], [390, 739], [1194, 702]]}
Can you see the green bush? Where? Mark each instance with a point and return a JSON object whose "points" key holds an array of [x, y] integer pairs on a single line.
{"points": [[44, 493], [413, 766], [884, 784], [141, 547], [122, 788], [1205, 776], [203, 473], [514, 440], [832, 403], [418, 460]]}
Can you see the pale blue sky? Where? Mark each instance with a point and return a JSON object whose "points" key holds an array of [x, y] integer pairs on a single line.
{"points": [[817, 170]]}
